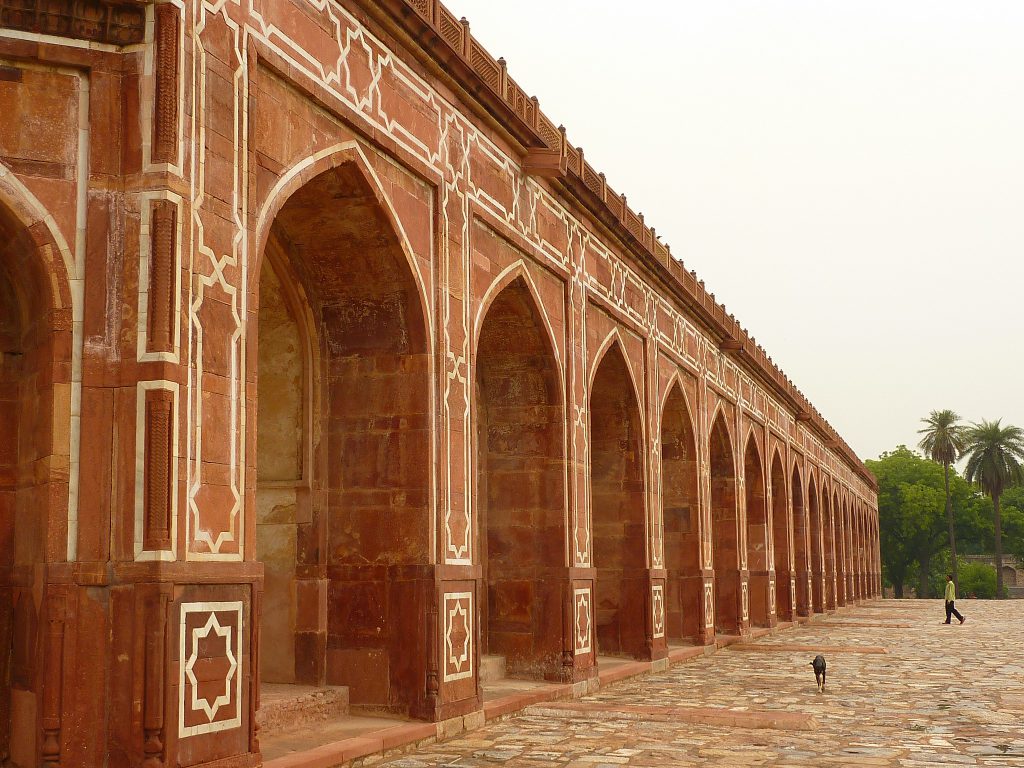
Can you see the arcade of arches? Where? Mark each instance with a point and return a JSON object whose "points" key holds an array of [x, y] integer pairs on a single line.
{"points": [[319, 371]]}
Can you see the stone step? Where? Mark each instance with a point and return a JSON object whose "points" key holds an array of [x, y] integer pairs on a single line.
{"points": [[492, 668], [283, 707]]}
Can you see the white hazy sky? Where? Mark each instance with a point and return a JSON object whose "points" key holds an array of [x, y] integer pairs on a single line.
{"points": [[847, 177]]}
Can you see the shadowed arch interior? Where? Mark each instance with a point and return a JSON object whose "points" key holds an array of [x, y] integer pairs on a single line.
{"points": [[814, 523], [344, 466], [757, 534], [837, 506], [780, 539], [852, 543], [857, 554], [800, 535], [617, 508], [847, 554], [860, 555], [681, 515], [28, 494], [828, 550], [520, 485], [725, 531]]}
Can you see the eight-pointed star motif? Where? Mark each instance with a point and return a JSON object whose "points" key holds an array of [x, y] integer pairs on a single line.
{"points": [[200, 702], [457, 638]]}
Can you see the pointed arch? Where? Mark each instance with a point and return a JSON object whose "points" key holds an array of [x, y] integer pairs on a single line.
{"points": [[718, 414], [335, 273], [754, 434], [618, 506], [40, 379], [681, 514], [862, 550], [675, 381], [347, 154], [725, 534], [828, 548], [781, 528], [520, 484], [755, 489], [518, 271], [815, 530], [24, 213], [840, 555], [801, 543], [615, 341], [48, 263]]}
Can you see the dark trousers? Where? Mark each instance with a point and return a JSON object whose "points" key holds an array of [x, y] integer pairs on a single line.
{"points": [[951, 611]]}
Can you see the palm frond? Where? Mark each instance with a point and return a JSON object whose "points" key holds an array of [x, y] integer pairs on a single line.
{"points": [[944, 438], [995, 456]]}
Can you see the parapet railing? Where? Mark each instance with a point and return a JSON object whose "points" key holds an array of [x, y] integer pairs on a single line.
{"points": [[554, 156]]}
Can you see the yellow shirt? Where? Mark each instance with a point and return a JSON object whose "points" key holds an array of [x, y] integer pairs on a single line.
{"points": [[950, 592]]}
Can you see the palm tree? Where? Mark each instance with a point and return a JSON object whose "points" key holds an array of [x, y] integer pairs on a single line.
{"points": [[943, 442], [994, 457]]}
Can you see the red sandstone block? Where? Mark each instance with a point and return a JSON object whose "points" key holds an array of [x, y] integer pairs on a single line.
{"points": [[327, 756], [400, 735], [625, 671], [362, 746], [679, 655], [500, 707]]}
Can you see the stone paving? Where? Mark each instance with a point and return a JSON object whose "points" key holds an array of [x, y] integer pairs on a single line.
{"points": [[940, 695]]}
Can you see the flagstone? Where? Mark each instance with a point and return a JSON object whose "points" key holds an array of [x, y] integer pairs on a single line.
{"points": [[938, 695]]}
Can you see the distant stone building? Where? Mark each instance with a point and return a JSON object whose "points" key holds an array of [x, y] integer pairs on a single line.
{"points": [[328, 359], [1013, 572]]}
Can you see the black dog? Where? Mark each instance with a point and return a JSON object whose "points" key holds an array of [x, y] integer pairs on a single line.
{"points": [[819, 672]]}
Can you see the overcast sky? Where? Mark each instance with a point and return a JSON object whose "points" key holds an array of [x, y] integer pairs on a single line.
{"points": [[846, 176]]}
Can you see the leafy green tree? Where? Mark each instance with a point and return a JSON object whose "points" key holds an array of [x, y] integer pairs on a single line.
{"points": [[979, 580], [994, 457], [943, 442], [979, 540], [910, 524], [1012, 511]]}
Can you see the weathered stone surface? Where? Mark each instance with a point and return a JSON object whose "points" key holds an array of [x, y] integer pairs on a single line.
{"points": [[932, 699], [313, 371]]}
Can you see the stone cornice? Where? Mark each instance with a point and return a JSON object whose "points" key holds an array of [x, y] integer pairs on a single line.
{"points": [[547, 152]]}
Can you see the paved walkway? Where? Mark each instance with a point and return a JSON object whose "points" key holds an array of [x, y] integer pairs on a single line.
{"points": [[903, 690]]}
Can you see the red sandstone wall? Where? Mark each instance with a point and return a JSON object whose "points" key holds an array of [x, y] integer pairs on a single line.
{"points": [[140, 188]]}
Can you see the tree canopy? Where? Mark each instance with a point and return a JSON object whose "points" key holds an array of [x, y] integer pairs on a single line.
{"points": [[912, 522]]}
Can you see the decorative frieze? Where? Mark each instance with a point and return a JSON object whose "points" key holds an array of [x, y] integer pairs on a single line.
{"points": [[92, 20]]}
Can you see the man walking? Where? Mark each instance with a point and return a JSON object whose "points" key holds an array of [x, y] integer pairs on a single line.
{"points": [[950, 597]]}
